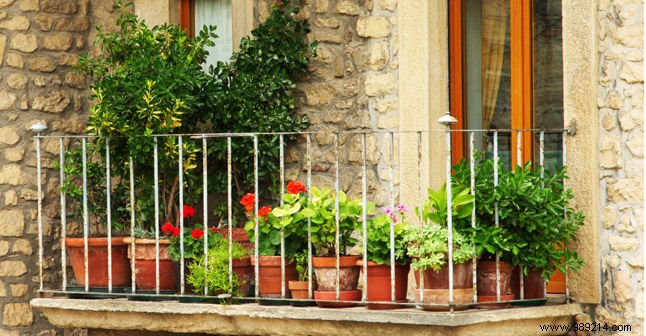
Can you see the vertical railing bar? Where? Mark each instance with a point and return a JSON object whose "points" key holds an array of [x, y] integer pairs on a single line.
{"points": [[63, 214], [392, 221], [421, 202], [496, 217], [564, 164], [205, 206], [449, 212], [519, 162], [132, 224], [309, 220], [282, 231], [86, 216], [541, 163], [156, 176], [40, 219], [180, 174], [364, 216], [337, 217], [256, 219], [230, 211], [108, 192], [472, 174]]}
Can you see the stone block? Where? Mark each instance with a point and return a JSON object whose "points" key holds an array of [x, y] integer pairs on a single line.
{"points": [[19, 290], [44, 22], [24, 42], [12, 268], [10, 197], [320, 94], [328, 36], [14, 154], [8, 135], [378, 55], [4, 247], [17, 81], [17, 315], [57, 42], [621, 243], [384, 105], [327, 23], [355, 149], [29, 5], [53, 102], [6, 3], [379, 84], [15, 60], [7, 100], [59, 6], [29, 194], [632, 72], [16, 23], [637, 261], [12, 223], [373, 26], [348, 7], [76, 24], [22, 246], [635, 143], [610, 157], [3, 45], [628, 190], [630, 36], [42, 64], [623, 286], [322, 6], [388, 5]]}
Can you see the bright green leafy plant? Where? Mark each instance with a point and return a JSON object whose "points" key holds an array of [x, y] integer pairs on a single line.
{"points": [[216, 276], [378, 232]]}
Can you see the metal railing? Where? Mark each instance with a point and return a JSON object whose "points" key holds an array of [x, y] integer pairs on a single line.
{"points": [[387, 139]]}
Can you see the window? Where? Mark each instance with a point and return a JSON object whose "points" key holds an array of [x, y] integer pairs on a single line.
{"points": [[507, 73], [194, 14]]}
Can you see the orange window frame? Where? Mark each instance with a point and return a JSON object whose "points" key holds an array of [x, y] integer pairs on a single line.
{"points": [[521, 76], [186, 16]]}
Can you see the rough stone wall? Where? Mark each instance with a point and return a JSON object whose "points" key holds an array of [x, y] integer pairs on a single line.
{"points": [[39, 43], [621, 108], [353, 87]]}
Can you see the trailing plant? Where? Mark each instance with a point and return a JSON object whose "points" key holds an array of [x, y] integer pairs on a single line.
{"points": [[286, 219], [378, 232], [258, 84], [216, 276], [428, 243], [148, 81], [321, 210]]}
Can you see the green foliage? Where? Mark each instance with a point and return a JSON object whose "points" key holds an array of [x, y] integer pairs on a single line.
{"points": [[535, 216], [193, 248], [216, 277], [302, 265], [257, 85], [322, 212], [378, 231], [287, 219], [428, 243]]}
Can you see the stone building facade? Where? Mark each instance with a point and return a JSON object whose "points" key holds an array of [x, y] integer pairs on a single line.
{"points": [[356, 84]]}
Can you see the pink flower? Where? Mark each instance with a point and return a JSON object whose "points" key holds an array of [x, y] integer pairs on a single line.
{"points": [[388, 211], [402, 208]]}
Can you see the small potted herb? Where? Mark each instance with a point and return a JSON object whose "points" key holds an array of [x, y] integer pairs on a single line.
{"points": [[300, 288]]}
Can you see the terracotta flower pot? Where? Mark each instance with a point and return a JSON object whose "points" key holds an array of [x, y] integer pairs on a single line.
{"points": [[326, 277], [533, 285], [269, 275], [300, 291], [436, 287], [379, 285], [486, 274], [240, 235], [327, 299], [243, 269], [98, 261], [145, 264]]}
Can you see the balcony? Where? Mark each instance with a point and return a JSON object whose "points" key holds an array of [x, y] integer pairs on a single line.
{"points": [[357, 178]]}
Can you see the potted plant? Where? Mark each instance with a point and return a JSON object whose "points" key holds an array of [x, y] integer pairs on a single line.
{"points": [[379, 258], [321, 211], [287, 220], [148, 81], [537, 208], [300, 288], [215, 279], [428, 248]]}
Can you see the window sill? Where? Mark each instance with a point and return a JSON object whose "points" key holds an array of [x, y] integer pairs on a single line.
{"points": [[252, 319]]}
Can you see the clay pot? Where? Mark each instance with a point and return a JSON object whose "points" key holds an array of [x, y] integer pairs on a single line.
{"points": [[438, 299], [98, 261], [269, 275], [244, 271], [462, 277], [326, 277], [327, 299], [379, 285], [486, 274], [533, 285], [145, 264]]}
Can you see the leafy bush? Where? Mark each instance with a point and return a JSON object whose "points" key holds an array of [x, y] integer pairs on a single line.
{"points": [[378, 232], [216, 276]]}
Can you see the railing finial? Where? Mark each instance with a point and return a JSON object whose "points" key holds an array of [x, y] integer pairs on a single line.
{"points": [[38, 127], [447, 120]]}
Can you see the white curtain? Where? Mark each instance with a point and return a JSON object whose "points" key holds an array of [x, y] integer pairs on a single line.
{"points": [[218, 13]]}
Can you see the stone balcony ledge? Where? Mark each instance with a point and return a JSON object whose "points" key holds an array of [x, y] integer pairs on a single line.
{"points": [[253, 319]]}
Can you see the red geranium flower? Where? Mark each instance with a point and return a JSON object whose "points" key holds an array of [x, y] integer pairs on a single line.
{"points": [[175, 231], [188, 211], [294, 187], [248, 201], [197, 233], [167, 228], [264, 211]]}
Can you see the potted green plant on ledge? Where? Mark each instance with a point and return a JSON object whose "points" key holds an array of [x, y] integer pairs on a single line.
{"points": [[282, 224], [428, 249], [328, 243], [379, 258]]}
